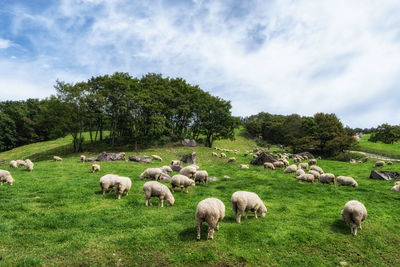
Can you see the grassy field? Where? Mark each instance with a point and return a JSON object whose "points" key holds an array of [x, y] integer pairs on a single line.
{"points": [[56, 215], [379, 148]]}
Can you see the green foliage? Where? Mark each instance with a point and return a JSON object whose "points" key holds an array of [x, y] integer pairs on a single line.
{"points": [[379, 148], [339, 144], [347, 156], [386, 133]]}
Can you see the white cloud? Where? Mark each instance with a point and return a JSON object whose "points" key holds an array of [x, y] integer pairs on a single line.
{"points": [[5, 43]]}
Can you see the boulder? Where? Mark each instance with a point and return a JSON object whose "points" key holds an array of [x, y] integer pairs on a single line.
{"points": [[106, 156], [189, 158], [143, 159], [262, 158], [90, 159], [384, 175], [189, 142]]}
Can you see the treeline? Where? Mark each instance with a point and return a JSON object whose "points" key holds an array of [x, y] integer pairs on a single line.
{"points": [[321, 134], [144, 111]]}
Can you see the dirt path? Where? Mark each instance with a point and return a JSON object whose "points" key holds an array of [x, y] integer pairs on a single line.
{"points": [[375, 156]]}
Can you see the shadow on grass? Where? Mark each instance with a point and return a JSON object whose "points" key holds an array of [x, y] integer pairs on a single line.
{"points": [[340, 226], [190, 234]]}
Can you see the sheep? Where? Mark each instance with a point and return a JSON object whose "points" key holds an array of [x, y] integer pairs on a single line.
{"points": [[243, 201], [214, 154], [353, 213], [379, 164], [57, 158], [181, 181], [352, 161], [312, 162], [83, 158], [389, 163], [300, 172], [95, 168], [296, 160], [188, 171], [316, 174], [291, 168], [156, 189], [232, 159], [195, 166], [344, 180], [21, 162], [303, 166], [166, 169], [279, 164], [244, 166], [316, 168], [176, 168], [122, 185], [151, 173], [5, 177], [327, 178], [107, 182], [156, 157], [269, 165], [175, 162], [306, 178], [13, 164], [246, 153], [396, 187], [29, 165], [223, 155], [285, 161], [397, 183], [212, 211], [201, 176]]}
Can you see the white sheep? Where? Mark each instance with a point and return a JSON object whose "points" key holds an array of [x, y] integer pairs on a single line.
{"points": [[232, 159], [95, 168], [316, 168], [312, 162], [151, 173], [285, 161], [122, 185], [306, 178], [156, 189], [211, 211], [389, 163], [396, 187], [303, 166], [397, 183], [379, 164], [57, 158], [201, 176], [156, 157], [223, 155], [344, 180], [181, 181], [107, 182], [29, 165], [175, 162], [353, 213], [166, 169], [83, 158], [195, 166], [214, 154], [316, 174], [243, 201], [188, 171], [278, 164], [291, 168], [5, 177], [243, 166], [296, 160], [21, 162], [327, 178], [13, 164], [300, 172], [269, 165]]}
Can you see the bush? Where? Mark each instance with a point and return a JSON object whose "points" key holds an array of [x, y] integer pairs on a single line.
{"points": [[347, 156]]}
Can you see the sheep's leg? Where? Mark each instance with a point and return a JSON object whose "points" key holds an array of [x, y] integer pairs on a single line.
{"points": [[210, 232], [172, 189], [355, 230], [198, 231], [238, 215], [187, 189], [146, 202], [162, 201], [246, 213], [217, 226], [360, 227], [181, 189], [255, 214]]}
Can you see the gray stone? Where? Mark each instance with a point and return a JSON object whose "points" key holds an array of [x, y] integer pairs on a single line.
{"points": [[189, 158], [105, 156], [384, 175], [189, 142], [263, 157]]}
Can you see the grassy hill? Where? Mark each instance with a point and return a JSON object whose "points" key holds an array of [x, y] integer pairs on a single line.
{"points": [[56, 215], [388, 150]]}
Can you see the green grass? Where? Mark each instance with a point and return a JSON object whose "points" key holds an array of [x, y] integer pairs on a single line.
{"points": [[56, 215], [388, 150]]}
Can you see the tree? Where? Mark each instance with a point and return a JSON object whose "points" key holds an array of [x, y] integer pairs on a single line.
{"points": [[7, 133], [386, 133], [328, 127]]}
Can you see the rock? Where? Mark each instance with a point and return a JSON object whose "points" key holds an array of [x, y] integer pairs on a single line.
{"points": [[226, 177], [105, 156], [212, 179], [264, 157], [384, 175], [189, 142], [143, 159], [90, 159], [189, 158]]}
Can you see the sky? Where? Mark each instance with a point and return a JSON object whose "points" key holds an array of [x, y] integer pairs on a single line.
{"points": [[280, 57]]}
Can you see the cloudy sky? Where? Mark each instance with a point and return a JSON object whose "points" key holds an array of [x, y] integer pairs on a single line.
{"points": [[280, 57]]}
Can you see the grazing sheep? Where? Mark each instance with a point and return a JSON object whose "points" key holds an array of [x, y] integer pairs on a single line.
{"points": [[211, 211], [122, 185], [166, 169], [107, 182], [13, 164], [279, 164], [156, 157], [83, 158], [156, 189], [195, 166], [306, 178], [175, 162], [397, 183], [152, 174], [95, 168], [389, 163], [327, 178], [232, 159], [352, 161], [303, 166], [316, 174], [396, 187], [243, 201], [246, 153], [316, 168], [214, 154], [57, 158], [223, 155], [201, 176], [269, 165], [29, 165], [344, 180], [296, 160], [353, 213], [285, 161], [379, 164], [188, 171], [312, 162], [300, 172], [291, 168], [21, 162], [181, 181], [5, 177], [244, 166]]}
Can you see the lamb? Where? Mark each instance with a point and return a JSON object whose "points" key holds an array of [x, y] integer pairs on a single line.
{"points": [[151, 173], [156, 189], [300, 172], [188, 171], [353, 213], [389, 163], [243, 201], [5, 177], [181, 181], [57, 158], [303, 166], [327, 178], [29, 165], [316, 168], [175, 162], [223, 155], [396, 187], [316, 174], [306, 178], [108, 181], [269, 165], [214, 154], [244, 166], [212, 211], [21, 162], [379, 164], [201, 176], [232, 159], [156, 157], [166, 169], [95, 168], [13, 164], [312, 162], [279, 164], [344, 180], [291, 168], [122, 185], [83, 158]]}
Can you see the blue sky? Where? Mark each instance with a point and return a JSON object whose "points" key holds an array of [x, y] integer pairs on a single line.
{"points": [[280, 57]]}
